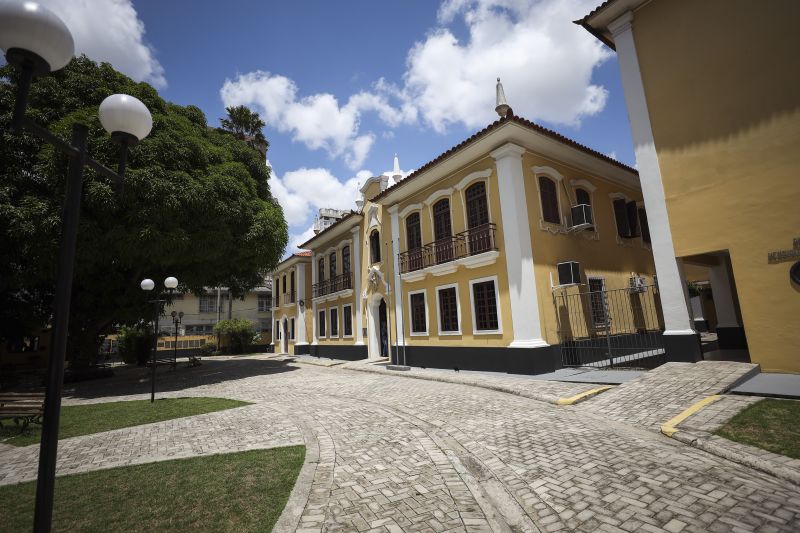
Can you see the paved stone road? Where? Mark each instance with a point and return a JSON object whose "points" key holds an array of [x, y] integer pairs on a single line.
{"points": [[394, 454]]}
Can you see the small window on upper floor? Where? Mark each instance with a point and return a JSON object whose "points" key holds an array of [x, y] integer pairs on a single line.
{"points": [[375, 246], [321, 269], [548, 196], [332, 264], [582, 196], [346, 260], [626, 216]]}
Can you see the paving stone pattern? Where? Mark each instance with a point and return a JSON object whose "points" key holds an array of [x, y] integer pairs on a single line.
{"points": [[399, 454], [666, 391]]}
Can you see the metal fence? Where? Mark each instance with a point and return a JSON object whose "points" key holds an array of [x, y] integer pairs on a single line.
{"points": [[471, 242], [610, 328]]}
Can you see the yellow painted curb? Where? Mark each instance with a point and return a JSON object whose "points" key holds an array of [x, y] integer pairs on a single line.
{"points": [[669, 428], [582, 396]]}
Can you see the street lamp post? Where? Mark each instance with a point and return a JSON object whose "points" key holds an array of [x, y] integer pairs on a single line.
{"points": [[177, 318], [148, 285], [36, 42]]}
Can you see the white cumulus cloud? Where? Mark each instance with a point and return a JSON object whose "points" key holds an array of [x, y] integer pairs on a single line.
{"points": [[111, 30], [544, 60], [319, 121]]}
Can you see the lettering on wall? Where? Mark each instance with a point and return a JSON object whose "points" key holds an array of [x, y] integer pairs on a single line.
{"points": [[782, 256]]}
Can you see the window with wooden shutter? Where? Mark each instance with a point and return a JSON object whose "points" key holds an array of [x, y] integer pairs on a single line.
{"points": [[413, 232], [548, 195], [332, 264], [633, 219], [621, 216], [375, 246], [485, 298], [418, 322], [346, 260], [582, 196], [477, 207], [334, 312], [448, 310], [321, 269], [644, 225]]}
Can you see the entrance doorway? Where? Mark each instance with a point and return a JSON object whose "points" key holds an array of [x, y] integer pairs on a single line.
{"points": [[285, 336], [383, 329]]}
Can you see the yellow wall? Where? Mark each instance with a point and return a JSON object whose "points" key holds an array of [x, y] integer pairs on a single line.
{"points": [[289, 310], [463, 275], [722, 83], [603, 255]]}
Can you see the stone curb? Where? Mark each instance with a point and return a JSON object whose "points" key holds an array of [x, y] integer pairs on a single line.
{"points": [[547, 398], [308, 361], [738, 453]]}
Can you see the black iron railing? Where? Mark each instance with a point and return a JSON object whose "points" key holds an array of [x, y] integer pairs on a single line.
{"points": [[329, 286], [471, 242]]}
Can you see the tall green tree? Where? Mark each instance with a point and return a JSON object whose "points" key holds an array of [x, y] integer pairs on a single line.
{"points": [[245, 124], [195, 204]]}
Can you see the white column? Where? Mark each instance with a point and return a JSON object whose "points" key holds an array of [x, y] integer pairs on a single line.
{"points": [[518, 251], [272, 311], [676, 313], [398, 282], [357, 273], [723, 295], [313, 303], [300, 322]]}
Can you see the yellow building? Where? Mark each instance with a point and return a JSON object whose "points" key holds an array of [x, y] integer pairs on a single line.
{"points": [[713, 95], [291, 285], [517, 250]]}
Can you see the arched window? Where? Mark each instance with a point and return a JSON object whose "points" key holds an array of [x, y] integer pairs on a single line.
{"points": [[346, 260], [375, 246], [414, 242], [277, 291], [479, 237], [413, 233], [284, 284], [321, 269], [548, 195], [477, 207], [582, 196], [442, 231], [291, 285], [332, 264]]}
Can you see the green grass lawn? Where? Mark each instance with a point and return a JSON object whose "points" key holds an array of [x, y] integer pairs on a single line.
{"points": [[93, 418], [243, 491], [773, 425]]}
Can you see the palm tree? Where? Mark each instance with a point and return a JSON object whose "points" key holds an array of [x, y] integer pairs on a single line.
{"points": [[246, 125]]}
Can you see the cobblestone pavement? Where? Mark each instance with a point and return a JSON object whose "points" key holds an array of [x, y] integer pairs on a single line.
{"points": [[666, 391], [398, 454]]}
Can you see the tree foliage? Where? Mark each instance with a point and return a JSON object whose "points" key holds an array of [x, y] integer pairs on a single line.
{"points": [[195, 204], [239, 332], [245, 124]]}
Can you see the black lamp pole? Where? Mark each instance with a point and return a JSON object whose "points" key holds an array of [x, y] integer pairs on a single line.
{"points": [[176, 318], [78, 159]]}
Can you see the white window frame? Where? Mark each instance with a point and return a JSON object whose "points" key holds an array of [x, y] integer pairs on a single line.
{"points": [[324, 313], [338, 323], [620, 196], [349, 308], [475, 330], [438, 308], [411, 331], [467, 182]]}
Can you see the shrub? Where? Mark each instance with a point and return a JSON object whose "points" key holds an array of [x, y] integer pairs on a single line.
{"points": [[208, 349], [236, 333], [135, 344]]}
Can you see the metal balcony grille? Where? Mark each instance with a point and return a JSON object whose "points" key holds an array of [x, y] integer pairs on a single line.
{"points": [[329, 286], [471, 242]]}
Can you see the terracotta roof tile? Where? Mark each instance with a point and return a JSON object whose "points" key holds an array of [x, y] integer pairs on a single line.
{"points": [[303, 253]]}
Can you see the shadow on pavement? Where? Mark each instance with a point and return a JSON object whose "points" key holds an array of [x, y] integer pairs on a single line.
{"points": [[136, 380]]}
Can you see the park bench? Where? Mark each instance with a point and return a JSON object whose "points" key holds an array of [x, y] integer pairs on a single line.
{"points": [[21, 407]]}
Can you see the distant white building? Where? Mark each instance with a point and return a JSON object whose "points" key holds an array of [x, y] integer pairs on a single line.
{"points": [[327, 217]]}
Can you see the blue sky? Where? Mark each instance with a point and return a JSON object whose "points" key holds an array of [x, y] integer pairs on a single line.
{"points": [[344, 85]]}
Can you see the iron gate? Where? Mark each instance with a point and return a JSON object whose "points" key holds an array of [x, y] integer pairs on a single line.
{"points": [[610, 328]]}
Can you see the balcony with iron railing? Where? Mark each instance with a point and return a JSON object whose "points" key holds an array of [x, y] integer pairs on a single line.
{"points": [[289, 297], [333, 285], [468, 243]]}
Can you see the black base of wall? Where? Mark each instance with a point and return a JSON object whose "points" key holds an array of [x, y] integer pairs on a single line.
{"points": [[701, 325], [731, 338], [347, 352], [303, 349], [494, 359], [682, 348]]}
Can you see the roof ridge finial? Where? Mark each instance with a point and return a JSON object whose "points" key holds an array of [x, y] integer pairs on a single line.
{"points": [[502, 107], [396, 174]]}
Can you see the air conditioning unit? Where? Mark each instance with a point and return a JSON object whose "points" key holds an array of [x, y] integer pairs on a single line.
{"points": [[637, 284], [569, 273], [581, 216]]}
